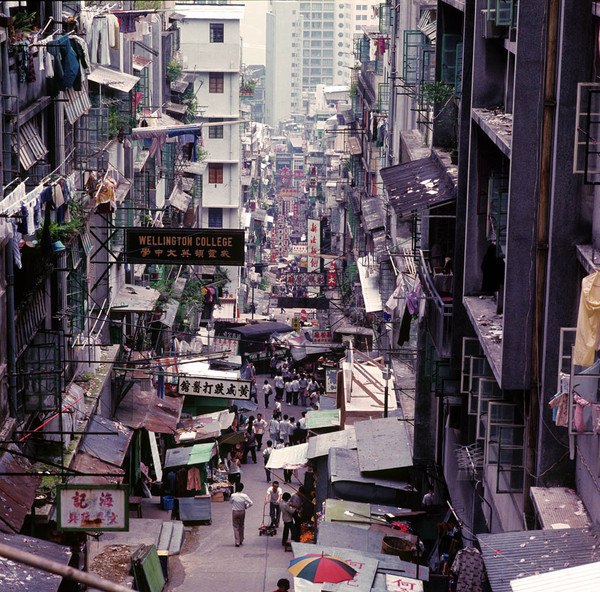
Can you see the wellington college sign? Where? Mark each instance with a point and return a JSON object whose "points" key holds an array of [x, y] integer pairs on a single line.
{"points": [[184, 245]]}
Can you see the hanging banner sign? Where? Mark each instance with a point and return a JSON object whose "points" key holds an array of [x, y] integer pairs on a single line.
{"points": [[402, 584], [314, 244], [305, 279], [92, 507], [221, 344], [200, 386], [185, 246]]}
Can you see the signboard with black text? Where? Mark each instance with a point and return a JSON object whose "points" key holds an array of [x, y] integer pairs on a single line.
{"points": [[182, 246], [305, 279], [200, 386]]}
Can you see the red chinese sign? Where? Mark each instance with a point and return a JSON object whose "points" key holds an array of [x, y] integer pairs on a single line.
{"points": [[321, 336], [93, 507]]}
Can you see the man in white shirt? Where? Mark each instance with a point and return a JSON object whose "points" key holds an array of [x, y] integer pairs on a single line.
{"points": [[260, 425], [266, 455], [267, 392], [274, 497], [279, 384], [284, 430], [274, 428], [240, 502], [295, 390]]}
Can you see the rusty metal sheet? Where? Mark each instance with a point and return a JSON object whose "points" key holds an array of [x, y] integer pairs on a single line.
{"points": [[109, 440], [86, 463], [143, 409], [20, 577], [17, 492], [375, 438]]}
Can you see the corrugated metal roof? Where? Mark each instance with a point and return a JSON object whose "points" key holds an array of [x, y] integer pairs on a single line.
{"points": [[113, 78], [584, 578], [376, 437], [16, 492], [132, 298], [369, 283], [559, 507], [192, 455], [170, 312], [513, 555], [320, 445], [86, 463], [30, 144], [144, 409], [373, 213], [17, 577], [108, 442], [417, 185], [291, 457], [77, 103]]}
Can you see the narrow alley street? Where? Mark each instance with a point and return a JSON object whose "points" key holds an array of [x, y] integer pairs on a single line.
{"points": [[209, 559]]}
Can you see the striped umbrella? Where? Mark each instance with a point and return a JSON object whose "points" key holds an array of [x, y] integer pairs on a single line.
{"points": [[320, 568]]}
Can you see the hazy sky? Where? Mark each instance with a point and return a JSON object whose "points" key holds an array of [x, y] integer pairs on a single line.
{"points": [[253, 31]]}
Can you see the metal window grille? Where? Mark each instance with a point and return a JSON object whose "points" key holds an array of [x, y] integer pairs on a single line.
{"points": [[215, 217], [497, 211], [501, 12], [77, 291], [586, 154], [450, 43], [217, 33], [91, 137], [418, 59], [383, 97]]}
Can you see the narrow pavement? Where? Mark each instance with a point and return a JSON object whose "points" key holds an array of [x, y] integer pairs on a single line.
{"points": [[209, 559]]}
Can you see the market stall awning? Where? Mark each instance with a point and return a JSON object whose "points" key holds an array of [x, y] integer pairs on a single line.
{"points": [[291, 457], [108, 440], [321, 444], [113, 78], [132, 298], [583, 578], [191, 455], [514, 555], [143, 409], [17, 492], [15, 576], [376, 437], [322, 419], [350, 483], [417, 185]]}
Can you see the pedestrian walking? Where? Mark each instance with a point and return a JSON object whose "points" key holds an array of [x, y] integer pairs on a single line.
{"points": [[240, 502], [267, 392], [288, 391], [250, 445], [279, 386], [273, 366], [287, 516], [260, 426], [274, 497], [295, 389], [277, 409], [296, 502], [234, 472], [266, 455], [285, 429], [303, 382], [274, 428]]}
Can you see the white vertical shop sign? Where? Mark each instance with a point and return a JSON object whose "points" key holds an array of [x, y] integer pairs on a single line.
{"points": [[314, 245]]}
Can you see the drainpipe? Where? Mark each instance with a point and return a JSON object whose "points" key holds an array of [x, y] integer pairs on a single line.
{"points": [[543, 226], [11, 345]]}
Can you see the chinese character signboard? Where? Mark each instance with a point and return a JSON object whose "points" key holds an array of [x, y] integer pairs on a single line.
{"points": [[401, 583], [305, 279], [213, 387], [93, 507], [321, 336], [185, 246], [314, 245], [221, 344]]}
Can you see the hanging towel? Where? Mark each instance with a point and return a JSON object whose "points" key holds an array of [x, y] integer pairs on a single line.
{"points": [[588, 321]]}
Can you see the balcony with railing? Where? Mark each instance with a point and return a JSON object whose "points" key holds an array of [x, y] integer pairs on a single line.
{"points": [[438, 288]]}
